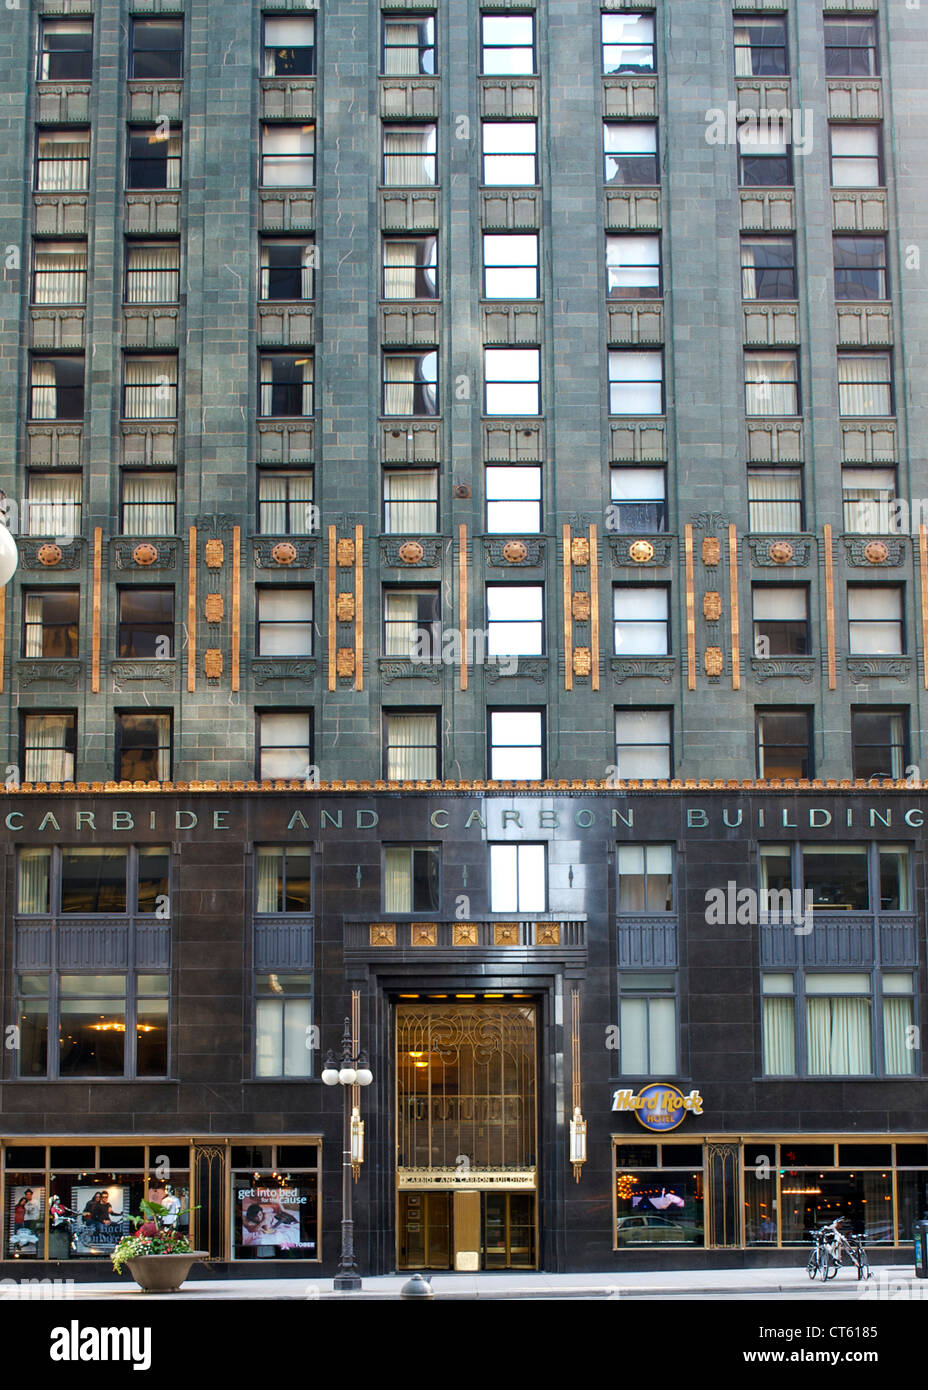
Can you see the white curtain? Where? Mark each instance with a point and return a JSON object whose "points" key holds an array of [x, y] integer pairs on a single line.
{"points": [[869, 494], [748, 278], [44, 394], [172, 177], [402, 61], [411, 751], [270, 878], [285, 622], [899, 1059], [152, 274], [397, 888], [284, 745], [864, 384], [839, 1036], [60, 274], [64, 161], [409, 157], [269, 379], [33, 623], [779, 1037], [287, 156], [399, 275], [148, 504], [54, 504], [411, 500], [875, 620], [643, 743], [306, 271], [774, 501], [33, 880], [47, 758], [284, 502], [401, 624], [399, 378], [743, 63], [151, 388], [771, 385], [286, 34]]}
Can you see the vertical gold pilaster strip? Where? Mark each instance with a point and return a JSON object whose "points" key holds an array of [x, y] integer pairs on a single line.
{"points": [[923, 568], [830, 609], [735, 614], [2, 631], [332, 632], [192, 609], [236, 606], [690, 611], [96, 582], [462, 600], [568, 614], [355, 1031], [575, 1080], [358, 607], [594, 606]]}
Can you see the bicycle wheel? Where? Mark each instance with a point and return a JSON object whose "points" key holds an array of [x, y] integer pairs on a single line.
{"points": [[863, 1265], [812, 1266], [829, 1266]]}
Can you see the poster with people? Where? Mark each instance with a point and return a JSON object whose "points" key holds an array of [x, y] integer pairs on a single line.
{"points": [[275, 1220], [101, 1215], [26, 1220]]}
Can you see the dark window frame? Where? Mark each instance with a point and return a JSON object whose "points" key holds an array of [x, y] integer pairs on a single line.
{"points": [[303, 68], [762, 712], [260, 714], [419, 711], [889, 712], [542, 746], [72, 591], [774, 273], [80, 23], [123, 625], [70, 743], [434, 849], [121, 715], [156, 24], [422, 48]]}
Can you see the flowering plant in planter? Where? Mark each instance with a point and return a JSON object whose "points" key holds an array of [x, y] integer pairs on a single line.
{"points": [[152, 1236]]}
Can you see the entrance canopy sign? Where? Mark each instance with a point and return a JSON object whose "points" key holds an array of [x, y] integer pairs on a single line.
{"points": [[659, 1107]]}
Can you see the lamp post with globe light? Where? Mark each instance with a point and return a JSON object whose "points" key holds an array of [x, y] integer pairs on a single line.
{"points": [[9, 555], [346, 1072]]}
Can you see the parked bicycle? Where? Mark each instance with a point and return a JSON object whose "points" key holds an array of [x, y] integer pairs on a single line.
{"points": [[833, 1247], [821, 1260]]}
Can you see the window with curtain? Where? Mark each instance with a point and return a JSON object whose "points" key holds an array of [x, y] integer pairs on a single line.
{"points": [[62, 161], [287, 269], [410, 267], [154, 157], [517, 750], [643, 743], [768, 267], [65, 50], [898, 1024], [289, 46], [637, 500], [875, 624], [633, 267], [838, 1024], [647, 1024], [779, 1024], [412, 624], [51, 620], [771, 383], [33, 878], [152, 272], [641, 620], [760, 46], [411, 878], [285, 504], [408, 45], [879, 739], [156, 52], [869, 498], [411, 746], [851, 47], [628, 43], [510, 153], [865, 383], [150, 391], [781, 620], [49, 742], [515, 620], [513, 496], [53, 504], [763, 157], [59, 272], [285, 622], [410, 502], [283, 1025], [286, 386], [284, 878], [143, 747], [512, 381], [775, 499], [284, 743], [645, 878], [855, 156], [288, 156], [518, 878], [57, 388], [636, 383], [630, 153], [149, 503], [409, 155], [410, 383]]}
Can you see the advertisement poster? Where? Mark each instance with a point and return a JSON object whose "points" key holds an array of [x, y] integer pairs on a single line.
{"points": [[25, 1219], [101, 1213], [273, 1219]]}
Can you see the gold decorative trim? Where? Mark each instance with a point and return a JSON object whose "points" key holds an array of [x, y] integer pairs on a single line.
{"points": [[236, 606], [212, 663], [582, 661], [332, 634], [96, 609], [462, 601], [576, 1089], [580, 607], [344, 553], [711, 551], [505, 934], [548, 934], [464, 934], [213, 607], [359, 608], [214, 553], [712, 606], [580, 551], [344, 608], [568, 620], [423, 934], [714, 661], [830, 609], [735, 611], [383, 933], [594, 605], [345, 661], [192, 609], [690, 610], [145, 554]]}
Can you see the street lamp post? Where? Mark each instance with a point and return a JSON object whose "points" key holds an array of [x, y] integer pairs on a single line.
{"points": [[347, 1072], [9, 556]]}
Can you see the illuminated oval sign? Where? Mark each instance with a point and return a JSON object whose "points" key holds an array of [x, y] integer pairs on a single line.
{"points": [[658, 1107]]}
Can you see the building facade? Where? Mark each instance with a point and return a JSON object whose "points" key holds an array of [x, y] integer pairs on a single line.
{"points": [[429, 428]]}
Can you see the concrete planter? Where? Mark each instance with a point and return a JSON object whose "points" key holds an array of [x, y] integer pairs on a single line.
{"points": [[163, 1273]]}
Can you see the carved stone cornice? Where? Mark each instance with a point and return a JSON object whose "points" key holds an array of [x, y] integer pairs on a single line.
{"points": [[875, 552], [394, 669], [123, 554], [621, 547], [772, 667], [164, 672], [264, 671], [67, 673], [430, 546], [760, 548], [504, 551], [533, 668], [862, 669], [710, 522], [662, 668], [212, 523], [264, 557], [70, 558]]}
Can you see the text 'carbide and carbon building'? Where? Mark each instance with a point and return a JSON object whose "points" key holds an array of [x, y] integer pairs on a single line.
{"points": [[473, 583]]}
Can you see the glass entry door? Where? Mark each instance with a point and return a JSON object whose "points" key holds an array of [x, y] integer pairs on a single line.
{"points": [[509, 1230], [425, 1230]]}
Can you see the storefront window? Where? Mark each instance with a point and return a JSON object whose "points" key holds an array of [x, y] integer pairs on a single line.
{"points": [[660, 1204], [25, 1215], [275, 1206]]}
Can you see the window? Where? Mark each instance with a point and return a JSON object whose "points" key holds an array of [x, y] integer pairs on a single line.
{"points": [[62, 162], [513, 381], [779, 1025], [875, 620], [647, 1024], [154, 157], [57, 388], [410, 267], [143, 747], [410, 745], [288, 156], [410, 502], [781, 620], [510, 266], [410, 383], [879, 742], [851, 47], [641, 620], [285, 622], [517, 745], [630, 152], [412, 624], [869, 498], [284, 878], [285, 744], [150, 388], [152, 272], [54, 505], [286, 385], [283, 1025], [289, 46], [645, 878], [633, 267], [638, 500], [287, 269], [784, 743], [515, 620], [771, 383], [86, 1050], [51, 621], [507, 44], [636, 382], [518, 878], [157, 49], [411, 878], [836, 877], [764, 159], [66, 50], [409, 155], [643, 743], [513, 499], [628, 43], [48, 747], [408, 45], [59, 272], [760, 46], [149, 503], [768, 267], [775, 499], [510, 157], [838, 1023], [860, 267], [865, 383], [285, 504], [146, 623], [91, 880], [856, 160]]}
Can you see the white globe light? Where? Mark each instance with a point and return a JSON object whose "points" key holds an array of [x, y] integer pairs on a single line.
{"points": [[9, 555], [365, 1077], [330, 1077], [347, 1076]]}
